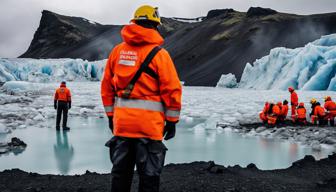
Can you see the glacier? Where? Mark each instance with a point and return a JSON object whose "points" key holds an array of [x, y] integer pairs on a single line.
{"points": [[50, 70], [312, 67]]}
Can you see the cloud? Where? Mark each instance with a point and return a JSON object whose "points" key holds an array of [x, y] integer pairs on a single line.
{"points": [[20, 18]]}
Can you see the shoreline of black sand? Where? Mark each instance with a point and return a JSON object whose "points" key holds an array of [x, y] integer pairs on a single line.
{"points": [[305, 175]]}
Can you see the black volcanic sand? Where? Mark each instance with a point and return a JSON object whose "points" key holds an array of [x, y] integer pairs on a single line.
{"points": [[304, 175]]}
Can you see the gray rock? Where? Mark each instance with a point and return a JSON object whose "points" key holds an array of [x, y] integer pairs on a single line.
{"points": [[260, 129], [329, 141], [316, 146]]}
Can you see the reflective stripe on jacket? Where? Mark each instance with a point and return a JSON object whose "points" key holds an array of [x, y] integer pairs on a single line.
{"points": [[153, 100], [62, 94]]}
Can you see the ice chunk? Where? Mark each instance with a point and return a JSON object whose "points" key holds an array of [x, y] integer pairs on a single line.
{"points": [[316, 146], [3, 129], [14, 87], [227, 81], [38, 117], [84, 111], [211, 122]]}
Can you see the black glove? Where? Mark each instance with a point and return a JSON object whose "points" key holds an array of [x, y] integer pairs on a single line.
{"points": [[55, 104], [69, 104], [169, 130], [110, 121]]}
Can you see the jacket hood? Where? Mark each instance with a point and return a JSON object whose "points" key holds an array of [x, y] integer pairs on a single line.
{"points": [[134, 34]]}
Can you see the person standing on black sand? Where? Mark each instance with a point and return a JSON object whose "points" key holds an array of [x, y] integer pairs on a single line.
{"points": [[141, 94], [62, 103]]}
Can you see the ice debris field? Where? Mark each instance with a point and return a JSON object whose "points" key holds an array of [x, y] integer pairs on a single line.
{"points": [[26, 97], [26, 104]]}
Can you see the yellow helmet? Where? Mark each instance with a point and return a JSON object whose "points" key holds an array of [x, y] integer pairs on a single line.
{"points": [[147, 12], [327, 98], [313, 101]]}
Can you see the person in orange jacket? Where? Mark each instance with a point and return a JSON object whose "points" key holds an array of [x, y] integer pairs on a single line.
{"points": [[330, 106], [284, 111], [62, 103], [313, 102], [141, 94], [301, 114], [263, 113], [294, 102], [319, 115], [279, 104], [275, 112]]}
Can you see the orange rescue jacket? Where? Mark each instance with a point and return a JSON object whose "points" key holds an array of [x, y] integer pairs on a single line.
{"points": [[266, 108], [284, 110], [152, 100], [319, 111], [301, 112], [294, 99], [276, 110], [330, 106], [62, 94]]}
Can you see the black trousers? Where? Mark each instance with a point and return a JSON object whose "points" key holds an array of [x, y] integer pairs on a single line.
{"points": [[62, 108], [148, 157], [322, 121]]}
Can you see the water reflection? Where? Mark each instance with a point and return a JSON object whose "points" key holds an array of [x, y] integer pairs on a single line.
{"points": [[293, 150], [192, 143], [63, 152]]}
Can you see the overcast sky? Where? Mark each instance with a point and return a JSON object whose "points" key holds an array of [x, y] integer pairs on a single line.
{"points": [[20, 18]]}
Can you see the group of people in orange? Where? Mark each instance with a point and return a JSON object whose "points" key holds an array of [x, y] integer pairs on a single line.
{"points": [[273, 114]]}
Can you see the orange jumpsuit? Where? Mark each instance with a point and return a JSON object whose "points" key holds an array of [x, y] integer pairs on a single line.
{"points": [[319, 115], [330, 106], [263, 113], [272, 118], [294, 104], [62, 102], [284, 112], [301, 114]]}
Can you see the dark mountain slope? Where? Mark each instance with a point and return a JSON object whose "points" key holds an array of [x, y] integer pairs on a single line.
{"points": [[61, 36], [226, 42], [223, 42]]}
